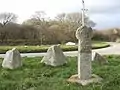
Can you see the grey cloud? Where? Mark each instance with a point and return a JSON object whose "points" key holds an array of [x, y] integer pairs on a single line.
{"points": [[107, 15], [103, 9], [106, 21], [108, 6]]}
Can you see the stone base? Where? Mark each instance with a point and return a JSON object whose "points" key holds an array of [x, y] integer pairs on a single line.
{"points": [[93, 79]]}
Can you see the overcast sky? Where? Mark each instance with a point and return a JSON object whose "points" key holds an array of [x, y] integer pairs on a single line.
{"points": [[106, 13]]}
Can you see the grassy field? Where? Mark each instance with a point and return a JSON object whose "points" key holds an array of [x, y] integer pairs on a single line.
{"points": [[43, 48], [36, 76]]}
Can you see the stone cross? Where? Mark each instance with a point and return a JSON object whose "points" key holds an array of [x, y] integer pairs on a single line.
{"points": [[83, 13], [84, 35]]}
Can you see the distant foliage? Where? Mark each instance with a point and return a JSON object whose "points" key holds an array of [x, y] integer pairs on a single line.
{"points": [[107, 35], [39, 29]]}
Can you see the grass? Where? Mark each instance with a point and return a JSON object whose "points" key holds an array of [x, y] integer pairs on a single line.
{"points": [[43, 48], [36, 76], [98, 45]]}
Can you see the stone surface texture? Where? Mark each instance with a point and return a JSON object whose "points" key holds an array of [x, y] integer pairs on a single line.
{"points": [[84, 76], [84, 35], [12, 59], [97, 58], [93, 79], [54, 56]]}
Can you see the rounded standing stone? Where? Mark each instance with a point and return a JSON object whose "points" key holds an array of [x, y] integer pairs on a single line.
{"points": [[12, 59], [54, 56]]}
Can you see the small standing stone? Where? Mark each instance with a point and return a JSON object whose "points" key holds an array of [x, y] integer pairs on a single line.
{"points": [[12, 59], [97, 58], [54, 56]]}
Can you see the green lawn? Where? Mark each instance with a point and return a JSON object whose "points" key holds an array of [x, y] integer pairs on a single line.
{"points": [[43, 48], [36, 76]]}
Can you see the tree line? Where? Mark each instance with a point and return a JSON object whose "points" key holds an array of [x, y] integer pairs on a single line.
{"points": [[40, 29]]}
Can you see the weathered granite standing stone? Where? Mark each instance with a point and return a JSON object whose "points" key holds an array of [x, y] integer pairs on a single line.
{"points": [[97, 58], [12, 59], [84, 35], [54, 56], [84, 76]]}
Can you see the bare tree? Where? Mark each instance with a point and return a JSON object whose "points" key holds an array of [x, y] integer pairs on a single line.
{"points": [[61, 17], [69, 22], [39, 16], [59, 30], [7, 17], [76, 18], [39, 21]]}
